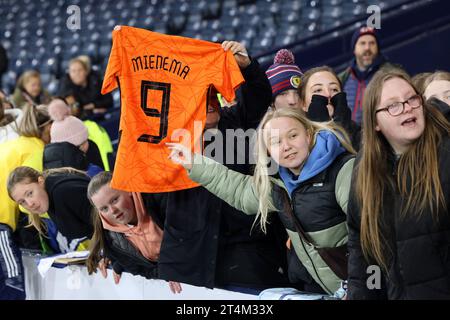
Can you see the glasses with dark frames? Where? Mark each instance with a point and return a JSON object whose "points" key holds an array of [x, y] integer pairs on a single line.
{"points": [[397, 108]]}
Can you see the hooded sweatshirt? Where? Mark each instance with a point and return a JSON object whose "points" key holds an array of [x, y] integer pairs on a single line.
{"points": [[146, 236]]}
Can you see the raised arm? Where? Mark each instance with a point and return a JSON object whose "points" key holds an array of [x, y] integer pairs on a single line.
{"points": [[255, 94], [234, 188]]}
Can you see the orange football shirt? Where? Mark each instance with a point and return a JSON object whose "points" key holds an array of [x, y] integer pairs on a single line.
{"points": [[163, 82]]}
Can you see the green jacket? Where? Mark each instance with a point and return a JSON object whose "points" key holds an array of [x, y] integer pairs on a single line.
{"points": [[238, 191], [20, 98]]}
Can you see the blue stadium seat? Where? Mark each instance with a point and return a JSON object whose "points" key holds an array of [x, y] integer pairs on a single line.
{"points": [[293, 5], [45, 78], [40, 27], [9, 81], [7, 44], [104, 50], [53, 86]]}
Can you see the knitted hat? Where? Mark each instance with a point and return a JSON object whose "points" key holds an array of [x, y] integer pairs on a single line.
{"points": [[65, 128], [57, 109], [284, 74], [363, 31]]}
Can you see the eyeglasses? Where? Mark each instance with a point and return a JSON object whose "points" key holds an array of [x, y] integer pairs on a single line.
{"points": [[397, 108]]}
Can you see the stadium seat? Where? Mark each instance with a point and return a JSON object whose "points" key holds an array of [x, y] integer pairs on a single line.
{"points": [[40, 29]]}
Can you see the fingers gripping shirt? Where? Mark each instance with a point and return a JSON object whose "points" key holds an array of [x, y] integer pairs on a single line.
{"points": [[163, 83]]}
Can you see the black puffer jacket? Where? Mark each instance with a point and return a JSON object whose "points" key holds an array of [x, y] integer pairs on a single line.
{"points": [[419, 267], [69, 207], [64, 154], [323, 219]]}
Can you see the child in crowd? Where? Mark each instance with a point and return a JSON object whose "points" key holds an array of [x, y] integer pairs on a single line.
{"points": [[310, 192], [124, 232]]}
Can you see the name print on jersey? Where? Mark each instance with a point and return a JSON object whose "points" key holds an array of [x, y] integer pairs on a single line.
{"points": [[160, 62], [164, 83]]}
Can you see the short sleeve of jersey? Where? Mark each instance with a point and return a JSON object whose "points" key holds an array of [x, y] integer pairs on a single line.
{"points": [[164, 82], [113, 68], [227, 75]]}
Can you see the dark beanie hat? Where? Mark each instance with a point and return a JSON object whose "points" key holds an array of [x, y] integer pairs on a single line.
{"points": [[363, 31], [284, 74]]}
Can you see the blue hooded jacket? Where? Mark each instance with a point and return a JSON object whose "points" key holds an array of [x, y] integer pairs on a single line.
{"points": [[325, 150]]}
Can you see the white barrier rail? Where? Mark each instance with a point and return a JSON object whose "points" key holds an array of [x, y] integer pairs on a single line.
{"points": [[74, 283]]}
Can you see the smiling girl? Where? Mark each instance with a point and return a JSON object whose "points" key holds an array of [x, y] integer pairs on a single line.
{"points": [[309, 191], [398, 212]]}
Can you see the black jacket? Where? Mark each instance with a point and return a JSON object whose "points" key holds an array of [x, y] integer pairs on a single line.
{"points": [[419, 267], [441, 106], [64, 154], [3, 62], [69, 207], [125, 257], [208, 243], [85, 95], [122, 253]]}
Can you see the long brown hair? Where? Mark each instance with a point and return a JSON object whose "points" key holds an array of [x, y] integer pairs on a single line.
{"points": [[417, 169], [419, 81], [97, 244]]}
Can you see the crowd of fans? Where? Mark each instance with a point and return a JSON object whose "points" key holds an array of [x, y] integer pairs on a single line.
{"points": [[362, 180]]}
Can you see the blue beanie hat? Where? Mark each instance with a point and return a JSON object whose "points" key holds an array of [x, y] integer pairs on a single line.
{"points": [[284, 74], [363, 31]]}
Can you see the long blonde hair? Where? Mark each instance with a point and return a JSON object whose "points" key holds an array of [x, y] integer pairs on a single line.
{"points": [[417, 169], [34, 121], [261, 177]]}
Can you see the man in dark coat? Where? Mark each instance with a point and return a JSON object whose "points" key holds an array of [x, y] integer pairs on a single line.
{"points": [[367, 60]]}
